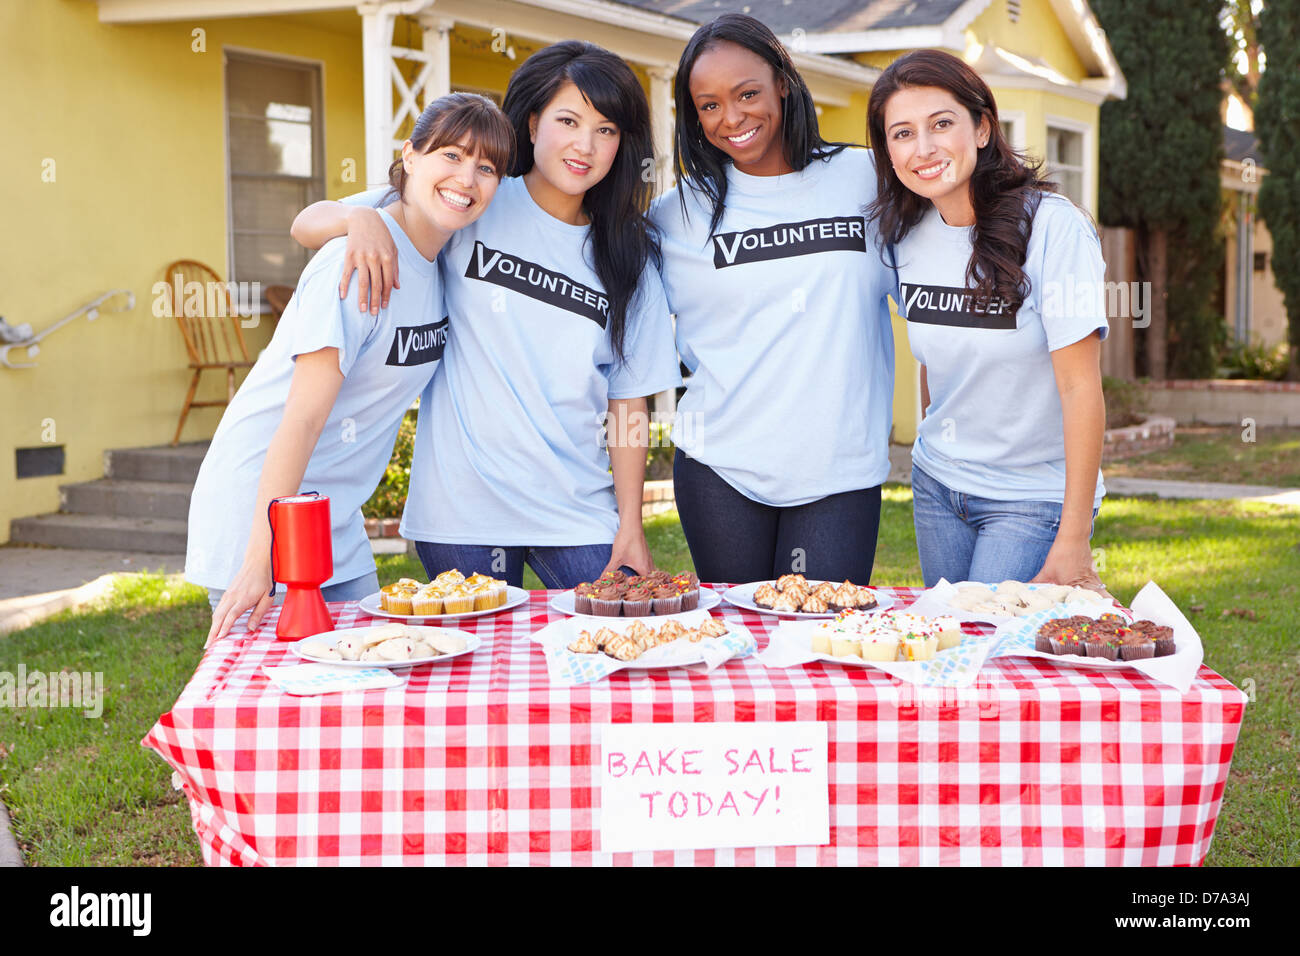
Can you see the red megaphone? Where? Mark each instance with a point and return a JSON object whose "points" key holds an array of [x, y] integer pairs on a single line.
{"points": [[302, 559]]}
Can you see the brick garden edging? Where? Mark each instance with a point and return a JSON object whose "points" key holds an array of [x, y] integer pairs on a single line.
{"points": [[655, 499], [1153, 434]]}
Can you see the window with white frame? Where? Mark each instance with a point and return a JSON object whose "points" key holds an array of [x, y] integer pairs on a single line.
{"points": [[1065, 161], [274, 133]]}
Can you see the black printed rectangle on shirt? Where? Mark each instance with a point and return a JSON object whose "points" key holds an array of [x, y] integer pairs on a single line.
{"points": [[418, 344], [788, 239], [537, 282], [946, 305]]}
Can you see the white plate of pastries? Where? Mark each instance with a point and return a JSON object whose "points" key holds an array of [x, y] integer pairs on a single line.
{"points": [[638, 642], [387, 645], [997, 603], [449, 596], [794, 596], [855, 637]]}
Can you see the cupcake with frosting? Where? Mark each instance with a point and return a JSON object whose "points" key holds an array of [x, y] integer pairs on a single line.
{"points": [[666, 598], [689, 585], [607, 598], [638, 600]]}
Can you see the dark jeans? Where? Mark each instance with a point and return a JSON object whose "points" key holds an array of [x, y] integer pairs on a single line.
{"points": [[557, 567], [734, 539]]}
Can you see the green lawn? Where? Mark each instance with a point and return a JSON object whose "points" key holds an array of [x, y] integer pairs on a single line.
{"points": [[1205, 453], [84, 791]]}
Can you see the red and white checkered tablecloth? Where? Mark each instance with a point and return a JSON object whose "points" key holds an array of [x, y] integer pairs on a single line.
{"points": [[482, 760]]}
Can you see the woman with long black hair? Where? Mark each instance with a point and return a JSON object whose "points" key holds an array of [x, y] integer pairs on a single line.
{"points": [[558, 321], [1001, 285], [782, 319]]}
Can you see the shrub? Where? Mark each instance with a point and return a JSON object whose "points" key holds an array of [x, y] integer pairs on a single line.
{"points": [[390, 497], [1126, 402], [1256, 360]]}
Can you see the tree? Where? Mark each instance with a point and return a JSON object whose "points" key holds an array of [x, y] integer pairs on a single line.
{"points": [[1161, 148], [1277, 124]]}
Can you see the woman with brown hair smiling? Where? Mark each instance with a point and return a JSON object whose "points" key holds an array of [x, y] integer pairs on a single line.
{"points": [[782, 319], [1005, 470]]}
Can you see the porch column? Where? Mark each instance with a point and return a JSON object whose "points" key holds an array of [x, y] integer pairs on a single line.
{"points": [[663, 405], [437, 46], [376, 42], [661, 124]]}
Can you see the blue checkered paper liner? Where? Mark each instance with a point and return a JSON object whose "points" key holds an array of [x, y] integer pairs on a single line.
{"points": [[567, 667], [791, 645]]}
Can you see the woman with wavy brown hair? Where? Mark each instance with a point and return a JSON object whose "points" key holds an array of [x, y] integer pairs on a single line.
{"points": [[1001, 283]]}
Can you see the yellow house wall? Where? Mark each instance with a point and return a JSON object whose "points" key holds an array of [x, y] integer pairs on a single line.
{"points": [[133, 119], [1038, 33]]}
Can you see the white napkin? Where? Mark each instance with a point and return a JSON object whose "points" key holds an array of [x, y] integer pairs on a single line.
{"points": [[308, 680], [1016, 639], [566, 667], [791, 645]]}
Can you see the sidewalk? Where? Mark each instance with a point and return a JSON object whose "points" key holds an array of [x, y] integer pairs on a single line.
{"points": [[900, 470], [36, 583]]}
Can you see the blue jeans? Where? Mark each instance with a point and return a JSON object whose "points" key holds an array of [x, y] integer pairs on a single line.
{"points": [[736, 539], [353, 590], [558, 567], [966, 538]]}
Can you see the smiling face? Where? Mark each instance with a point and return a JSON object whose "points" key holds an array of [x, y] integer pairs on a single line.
{"points": [[449, 186], [737, 97], [574, 146], [933, 147]]}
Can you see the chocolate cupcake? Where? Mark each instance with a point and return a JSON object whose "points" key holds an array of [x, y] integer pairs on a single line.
{"points": [[1043, 637], [1136, 646], [1164, 640], [1102, 643], [689, 585], [607, 601], [582, 597], [667, 599], [638, 600]]}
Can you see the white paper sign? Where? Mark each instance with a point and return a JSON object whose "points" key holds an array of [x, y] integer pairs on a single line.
{"points": [[700, 786]]}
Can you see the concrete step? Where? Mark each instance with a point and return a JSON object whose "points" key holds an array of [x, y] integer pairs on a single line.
{"points": [[127, 499], [101, 532], [161, 463]]}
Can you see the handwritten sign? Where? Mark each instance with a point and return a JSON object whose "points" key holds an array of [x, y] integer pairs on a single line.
{"points": [[700, 786]]}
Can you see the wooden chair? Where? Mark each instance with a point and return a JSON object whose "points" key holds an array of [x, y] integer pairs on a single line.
{"points": [[277, 297], [213, 341]]}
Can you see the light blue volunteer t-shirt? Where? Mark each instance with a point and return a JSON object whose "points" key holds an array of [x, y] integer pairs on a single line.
{"points": [[508, 445], [783, 322], [385, 360], [994, 426]]}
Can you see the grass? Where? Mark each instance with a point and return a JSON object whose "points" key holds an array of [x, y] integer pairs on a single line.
{"points": [[1204, 453], [85, 792]]}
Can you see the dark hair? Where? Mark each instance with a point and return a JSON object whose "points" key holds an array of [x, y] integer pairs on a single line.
{"points": [[621, 238], [1005, 187], [450, 118], [702, 163]]}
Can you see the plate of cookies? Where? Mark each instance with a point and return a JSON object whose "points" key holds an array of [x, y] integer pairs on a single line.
{"points": [[449, 596], [794, 596], [386, 645], [642, 644]]}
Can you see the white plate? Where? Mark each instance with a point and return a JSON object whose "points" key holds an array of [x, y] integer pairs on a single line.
{"points": [[708, 599], [370, 604], [330, 638], [742, 596]]}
